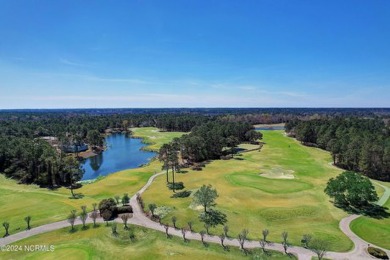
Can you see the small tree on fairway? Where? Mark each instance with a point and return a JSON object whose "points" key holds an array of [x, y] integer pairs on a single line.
{"points": [[265, 233], [222, 238], [226, 230], [117, 198], [174, 219], [190, 226], [6, 227], [94, 205], [306, 240], [263, 243], [94, 215], [125, 218], [207, 227], [125, 199], [83, 218], [205, 197], [319, 247], [166, 230], [242, 238], [152, 207], [183, 232], [28, 220], [114, 226], [285, 241], [84, 209], [72, 218], [202, 233]]}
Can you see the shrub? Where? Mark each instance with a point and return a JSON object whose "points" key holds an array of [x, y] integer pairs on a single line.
{"points": [[378, 253], [107, 206], [182, 194], [124, 209], [176, 185]]}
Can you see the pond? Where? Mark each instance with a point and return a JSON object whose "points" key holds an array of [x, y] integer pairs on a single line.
{"points": [[123, 152]]}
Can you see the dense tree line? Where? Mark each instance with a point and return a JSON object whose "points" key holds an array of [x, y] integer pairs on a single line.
{"points": [[35, 161], [207, 141], [356, 144]]}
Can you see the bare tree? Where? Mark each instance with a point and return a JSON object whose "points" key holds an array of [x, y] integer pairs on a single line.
{"points": [[6, 227], [226, 230], [83, 218], [202, 233], [72, 218], [84, 209], [94, 215], [125, 218], [207, 227], [166, 230], [222, 238], [183, 232], [319, 247], [28, 220], [263, 243], [174, 219], [265, 233], [285, 241], [190, 226], [242, 238]]}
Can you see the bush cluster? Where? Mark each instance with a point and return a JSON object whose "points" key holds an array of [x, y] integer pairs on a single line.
{"points": [[378, 253], [182, 194]]}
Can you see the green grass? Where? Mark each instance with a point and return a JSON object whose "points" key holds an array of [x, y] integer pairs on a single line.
{"points": [[99, 243], [273, 186], [376, 231], [153, 137], [250, 201], [46, 206]]}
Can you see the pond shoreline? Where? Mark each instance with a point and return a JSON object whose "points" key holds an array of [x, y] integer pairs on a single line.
{"points": [[126, 152]]}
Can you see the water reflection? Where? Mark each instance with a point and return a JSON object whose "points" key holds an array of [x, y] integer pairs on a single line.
{"points": [[96, 161], [123, 152]]}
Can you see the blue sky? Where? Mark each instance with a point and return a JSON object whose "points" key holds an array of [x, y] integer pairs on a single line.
{"points": [[263, 53]]}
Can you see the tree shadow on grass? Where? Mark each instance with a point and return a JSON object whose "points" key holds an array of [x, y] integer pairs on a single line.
{"points": [[77, 196], [371, 210]]}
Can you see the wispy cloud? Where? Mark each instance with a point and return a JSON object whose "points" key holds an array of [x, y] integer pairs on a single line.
{"points": [[72, 63]]}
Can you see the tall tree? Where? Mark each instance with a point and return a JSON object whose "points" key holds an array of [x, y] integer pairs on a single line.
{"points": [[351, 189], [205, 197]]}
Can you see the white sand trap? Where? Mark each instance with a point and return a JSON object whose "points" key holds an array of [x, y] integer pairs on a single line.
{"points": [[152, 137], [278, 173]]}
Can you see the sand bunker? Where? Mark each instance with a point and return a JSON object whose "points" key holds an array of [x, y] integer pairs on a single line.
{"points": [[278, 173]]}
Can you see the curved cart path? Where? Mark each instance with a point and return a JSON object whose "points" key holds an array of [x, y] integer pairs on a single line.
{"points": [[359, 251]]}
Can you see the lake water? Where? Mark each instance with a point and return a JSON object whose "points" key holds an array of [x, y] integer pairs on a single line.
{"points": [[276, 127], [123, 152]]}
